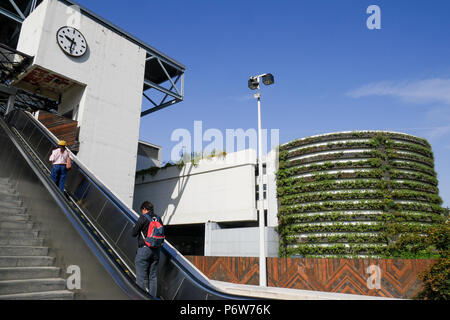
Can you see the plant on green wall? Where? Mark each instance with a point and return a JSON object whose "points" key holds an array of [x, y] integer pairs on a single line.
{"points": [[394, 179], [436, 278]]}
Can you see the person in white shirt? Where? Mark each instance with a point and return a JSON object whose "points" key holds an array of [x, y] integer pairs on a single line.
{"points": [[60, 159]]}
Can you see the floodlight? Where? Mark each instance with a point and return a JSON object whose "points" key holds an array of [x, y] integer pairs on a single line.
{"points": [[253, 83], [268, 79]]}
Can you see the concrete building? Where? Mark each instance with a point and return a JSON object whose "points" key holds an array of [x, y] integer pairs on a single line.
{"points": [[149, 155], [209, 208], [97, 73]]}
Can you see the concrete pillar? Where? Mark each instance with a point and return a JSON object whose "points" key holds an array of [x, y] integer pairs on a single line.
{"points": [[209, 227]]}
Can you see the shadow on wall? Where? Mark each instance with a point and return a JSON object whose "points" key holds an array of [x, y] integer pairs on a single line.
{"points": [[181, 183], [175, 185]]}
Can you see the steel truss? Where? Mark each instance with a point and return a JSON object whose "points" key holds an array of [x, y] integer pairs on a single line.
{"points": [[176, 91], [17, 10], [12, 64], [163, 75]]}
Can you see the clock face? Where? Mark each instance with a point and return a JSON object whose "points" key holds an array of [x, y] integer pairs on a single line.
{"points": [[71, 41]]}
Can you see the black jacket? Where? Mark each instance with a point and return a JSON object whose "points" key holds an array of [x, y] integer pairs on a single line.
{"points": [[142, 226]]}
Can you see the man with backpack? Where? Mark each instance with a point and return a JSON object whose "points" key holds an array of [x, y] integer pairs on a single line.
{"points": [[150, 233]]}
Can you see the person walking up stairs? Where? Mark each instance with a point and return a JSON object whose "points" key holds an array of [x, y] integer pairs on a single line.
{"points": [[26, 269]]}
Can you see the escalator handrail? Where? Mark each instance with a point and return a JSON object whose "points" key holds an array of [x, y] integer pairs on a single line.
{"points": [[117, 273], [131, 215], [182, 263]]}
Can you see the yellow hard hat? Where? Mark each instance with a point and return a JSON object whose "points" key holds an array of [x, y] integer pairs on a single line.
{"points": [[62, 143]]}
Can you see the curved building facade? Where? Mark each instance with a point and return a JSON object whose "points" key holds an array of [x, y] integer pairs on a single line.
{"points": [[352, 194]]}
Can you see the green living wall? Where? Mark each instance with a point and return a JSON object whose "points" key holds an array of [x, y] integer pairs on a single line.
{"points": [[357, 194]]}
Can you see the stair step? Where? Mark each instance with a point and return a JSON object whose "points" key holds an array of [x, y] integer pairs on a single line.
{"points": [[5, 225], [19, 233], [8, 190], [14, 203], [31, 285], [22, 251], [10, 198], [14, 217], [47, 295], [5, 181], [14, 273], [27, 261], [5, 241], [12, 209]]}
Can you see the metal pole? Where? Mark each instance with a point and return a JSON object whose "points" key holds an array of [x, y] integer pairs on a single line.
{"points": [[262, 246]]}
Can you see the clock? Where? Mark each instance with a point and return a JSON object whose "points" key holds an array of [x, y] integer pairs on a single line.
{"points": [[71, 41]]}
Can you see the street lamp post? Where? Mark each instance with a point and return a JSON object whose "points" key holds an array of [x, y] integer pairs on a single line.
{"points": [[254, 83]]}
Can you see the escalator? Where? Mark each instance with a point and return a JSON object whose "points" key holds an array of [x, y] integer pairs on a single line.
{"points": [[89, 226]]}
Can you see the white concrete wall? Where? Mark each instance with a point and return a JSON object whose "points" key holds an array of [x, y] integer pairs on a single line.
{"points": [[71, 101], [112, 71], [216, 190], [271, 201], [144, 162], [238, 242]]}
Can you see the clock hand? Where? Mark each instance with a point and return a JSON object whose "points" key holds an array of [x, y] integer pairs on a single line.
{"points": [[71, 40]]}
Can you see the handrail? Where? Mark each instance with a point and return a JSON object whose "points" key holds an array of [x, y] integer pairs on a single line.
{"points": [[112, 218], [114, 269], [130, 214]]}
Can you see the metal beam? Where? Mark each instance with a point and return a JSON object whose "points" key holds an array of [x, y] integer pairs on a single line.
{"points": [[17, 9], [8, 90], [162, 89], [173, 84], [145, 46], [11, 15], [33, 6], [151, 110], [168, 77], [148, 98]]}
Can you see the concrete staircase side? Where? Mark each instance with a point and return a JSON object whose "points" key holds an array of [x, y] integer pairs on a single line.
{"points": [[27, 272]]}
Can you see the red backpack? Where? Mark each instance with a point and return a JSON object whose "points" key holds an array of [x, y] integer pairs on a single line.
{"points": [[155, 234]]}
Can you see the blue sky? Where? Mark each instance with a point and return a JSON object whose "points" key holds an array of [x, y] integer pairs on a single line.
{"points": [[331, 72]]}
